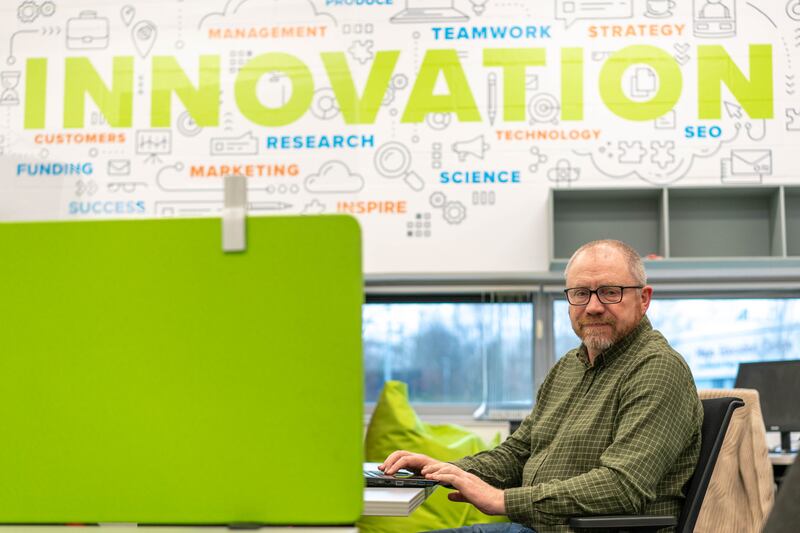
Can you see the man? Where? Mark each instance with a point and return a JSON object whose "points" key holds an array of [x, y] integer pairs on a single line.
{"points": [[616, 424]]}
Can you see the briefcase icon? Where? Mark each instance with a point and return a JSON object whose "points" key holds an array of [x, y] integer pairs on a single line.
{"points": [[87, 31], [758, 162]]}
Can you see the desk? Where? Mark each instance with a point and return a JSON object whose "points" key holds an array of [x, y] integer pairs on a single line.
{"points": [[780, 464], [179, 529], [782, 459]]}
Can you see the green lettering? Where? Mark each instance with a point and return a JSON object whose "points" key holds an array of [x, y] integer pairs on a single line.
{"points": [[513, 61], [459, 101], [572, 84], [35, 92], [715, 67], [116, 104], [670, 82], [362, 110], [201, 103], [247, 80]]}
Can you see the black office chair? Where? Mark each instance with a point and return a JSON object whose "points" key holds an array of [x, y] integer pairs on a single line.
{"points": [[785, 515], [717, 414]]}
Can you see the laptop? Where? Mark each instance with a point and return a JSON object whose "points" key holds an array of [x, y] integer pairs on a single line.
{"points": [[429, 11], [403, 478]]}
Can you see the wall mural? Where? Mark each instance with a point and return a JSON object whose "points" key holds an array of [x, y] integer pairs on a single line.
{"points": [[440, 124]]}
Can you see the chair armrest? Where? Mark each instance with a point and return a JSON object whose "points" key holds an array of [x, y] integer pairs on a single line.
{"points": [[623, 521]]}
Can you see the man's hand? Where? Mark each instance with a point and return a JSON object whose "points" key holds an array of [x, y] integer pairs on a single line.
{"points": [[469, 488], [403, 459]]}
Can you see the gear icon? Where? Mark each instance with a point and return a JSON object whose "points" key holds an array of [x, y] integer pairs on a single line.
{"points": [[27, 11], [438, 199], [47, 9], [454, 212], [361, 51]]}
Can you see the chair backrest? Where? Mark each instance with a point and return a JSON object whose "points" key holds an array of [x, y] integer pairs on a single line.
{"points": [[717, 414], [785, 514]]}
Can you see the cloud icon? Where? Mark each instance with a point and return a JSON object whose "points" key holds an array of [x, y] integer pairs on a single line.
{"points": [[314, 208], [334, 176]]}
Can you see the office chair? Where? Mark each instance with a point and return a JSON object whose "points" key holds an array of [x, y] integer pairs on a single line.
{"points": [[717, 414], [785, 515]]}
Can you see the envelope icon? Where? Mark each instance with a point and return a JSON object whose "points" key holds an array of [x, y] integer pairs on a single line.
{"points": [[758, 162], [119, 167]]}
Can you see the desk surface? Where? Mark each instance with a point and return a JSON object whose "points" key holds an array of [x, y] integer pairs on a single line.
{"points": [[128, 528], [782, 458]]}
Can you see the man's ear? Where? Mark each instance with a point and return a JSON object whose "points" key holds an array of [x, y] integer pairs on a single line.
{"points": [[647, 295]]}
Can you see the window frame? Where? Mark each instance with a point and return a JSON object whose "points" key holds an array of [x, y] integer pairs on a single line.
{"points": [[711, 280]]}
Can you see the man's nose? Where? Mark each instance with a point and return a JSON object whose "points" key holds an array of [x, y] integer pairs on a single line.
{"points": [[594, 306]]}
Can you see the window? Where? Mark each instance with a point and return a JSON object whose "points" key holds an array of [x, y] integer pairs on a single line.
{"points": [[469, 350], [714, 335]]}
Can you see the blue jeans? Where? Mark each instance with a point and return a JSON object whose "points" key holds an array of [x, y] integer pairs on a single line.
{"points": [[500, 527]]}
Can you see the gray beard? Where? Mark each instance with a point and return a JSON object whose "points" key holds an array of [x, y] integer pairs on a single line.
{"points": [[598, 343]]}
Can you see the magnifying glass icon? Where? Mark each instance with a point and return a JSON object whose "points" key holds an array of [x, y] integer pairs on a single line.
{"points": [[393, 160]]}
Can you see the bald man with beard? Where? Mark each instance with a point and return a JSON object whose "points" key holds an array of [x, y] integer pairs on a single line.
{"points": [[616, 424]]}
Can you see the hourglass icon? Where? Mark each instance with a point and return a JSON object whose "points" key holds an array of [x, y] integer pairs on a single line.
{"points": [[9, 79]]}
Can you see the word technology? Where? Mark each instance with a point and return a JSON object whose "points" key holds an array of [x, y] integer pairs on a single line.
{"points": [[715, 67]]}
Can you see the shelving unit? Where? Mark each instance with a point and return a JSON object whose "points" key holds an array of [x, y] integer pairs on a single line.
{"points": [[681, 225], [635, 216], [792, 210]]}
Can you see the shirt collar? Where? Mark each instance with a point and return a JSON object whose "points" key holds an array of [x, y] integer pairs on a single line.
{"points": [[607, 356]]}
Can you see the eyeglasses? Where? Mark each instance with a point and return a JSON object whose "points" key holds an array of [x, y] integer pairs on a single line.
{"points": [[607, 294]]}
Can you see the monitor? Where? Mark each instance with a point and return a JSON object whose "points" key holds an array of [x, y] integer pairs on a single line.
{"points": [[778, 385]]}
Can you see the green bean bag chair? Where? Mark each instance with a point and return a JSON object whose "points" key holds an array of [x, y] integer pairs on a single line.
{"points": [[395, 426]]}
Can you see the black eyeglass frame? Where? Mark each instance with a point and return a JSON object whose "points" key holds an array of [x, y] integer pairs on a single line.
{"points": [[597, 293]]}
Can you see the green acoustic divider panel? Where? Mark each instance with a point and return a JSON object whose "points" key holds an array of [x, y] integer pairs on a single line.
{"points": [[146, 376]]}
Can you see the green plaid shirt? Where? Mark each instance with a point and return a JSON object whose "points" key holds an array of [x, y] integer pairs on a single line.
{"points": [[619, 437]]}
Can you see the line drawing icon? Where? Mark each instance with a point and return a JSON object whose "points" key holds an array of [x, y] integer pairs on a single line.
{"points": [[186, 125], [144, 34], [153, 143], [334, 177], [714, 18], [746, 166], [127, 14], [124, 186], [417, 11], [393, 160], [659, 9], [543, 107], [478, 6], [119, 167], [563, 172], [793, 9], [9, 79], [491, 97], [28, 11], [476, 147], [438, 121], [245, 144], [324, 105], [454, 212], [538, 159], [87, 31], [792, 119], [315, 207], [571, 10], [11, 59]]}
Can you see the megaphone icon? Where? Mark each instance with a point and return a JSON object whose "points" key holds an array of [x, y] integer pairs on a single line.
{"points": [[474, 147]]}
